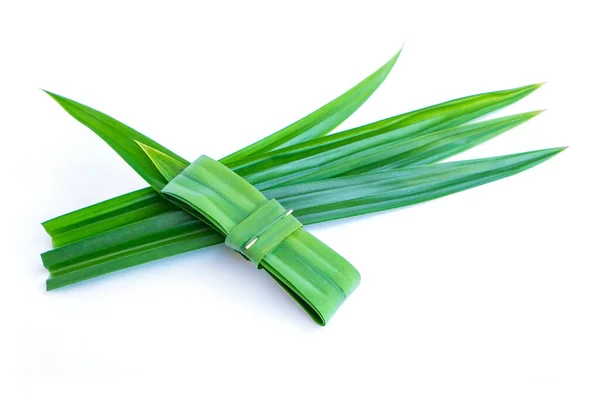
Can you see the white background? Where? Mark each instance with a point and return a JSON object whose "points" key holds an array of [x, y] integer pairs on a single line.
{"points": [[490, 292]]}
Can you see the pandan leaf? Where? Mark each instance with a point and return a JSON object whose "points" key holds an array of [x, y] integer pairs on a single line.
{"points": [[381, 190], [107, 215], [173, 233], [123, 138], [145, 207], [373, 153], [169, 167], [120, 137], [405, 126], [139, 205], [135, 206], [321, 121]]}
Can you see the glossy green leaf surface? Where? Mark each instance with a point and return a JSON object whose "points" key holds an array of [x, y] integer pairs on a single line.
{"points": [[107, 215], [321, 121], [172, 233], [142, 226], [138, 206], [371, 153], [317, 152], [120, 137], [168, 166], [381, 190], [262, 230]]}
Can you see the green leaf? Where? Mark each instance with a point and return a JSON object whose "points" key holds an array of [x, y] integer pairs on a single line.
{"points": [[177, 232], [120, 137], [381, 190], [375, 153], [372, 155], [123, 138], [169, 167], [137, 206], [144, 207], [107, 215], [316, 276], [425, 149], [395, 129], [321, 121]]}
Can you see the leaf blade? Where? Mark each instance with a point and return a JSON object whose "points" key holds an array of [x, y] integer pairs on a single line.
{"points": [[313, 202], [120, 137], [72, 227], [315, 153], [321, 121]]}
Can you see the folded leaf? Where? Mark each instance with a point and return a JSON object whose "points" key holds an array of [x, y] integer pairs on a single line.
{"points": [[317, 277], [172, 233], [138, 206], [135, 206]]}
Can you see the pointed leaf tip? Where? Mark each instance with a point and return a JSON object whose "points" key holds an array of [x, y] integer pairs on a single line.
{"points": [[320, 122], [52, 95], [538, 85], [390, 64], [167, 165], [534, 113], [551, 152], [55, 96], [529, 88]]}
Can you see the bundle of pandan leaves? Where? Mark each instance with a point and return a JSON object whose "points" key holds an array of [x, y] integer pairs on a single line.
{"points": [[257, 199]]}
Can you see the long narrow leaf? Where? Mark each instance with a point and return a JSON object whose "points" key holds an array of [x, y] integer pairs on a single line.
{"points": [[314, 202], [140, 205], [381, 190], [422, 150], [405, 126], [122, 138], [371, 153], [321, 121], [136, 206]]}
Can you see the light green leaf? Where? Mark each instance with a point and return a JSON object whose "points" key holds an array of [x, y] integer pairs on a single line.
{"points": [[169, 167], [139, 205], [172, 233], [120, 137], [321, 121]]}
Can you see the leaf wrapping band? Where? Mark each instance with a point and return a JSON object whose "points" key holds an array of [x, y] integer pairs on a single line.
{"points": [[263, 231]]}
